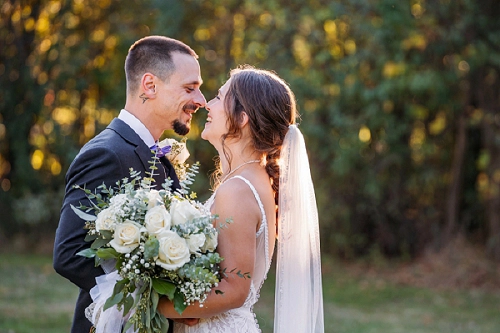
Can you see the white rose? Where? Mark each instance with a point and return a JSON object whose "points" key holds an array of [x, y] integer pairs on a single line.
{"points": [[126, 237], [154, 198], [106, 220], [157, 219], [210, 243], [173, 252], [182, 212], [195, 242]]}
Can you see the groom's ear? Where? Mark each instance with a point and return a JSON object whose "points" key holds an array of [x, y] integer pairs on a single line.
{"points": [[148, 85]]}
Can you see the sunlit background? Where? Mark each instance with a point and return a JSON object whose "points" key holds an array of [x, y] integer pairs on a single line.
{"points": [[399, 104]]}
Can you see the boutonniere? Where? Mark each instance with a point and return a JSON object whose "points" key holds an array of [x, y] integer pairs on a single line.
{"points": [[177, 155]]}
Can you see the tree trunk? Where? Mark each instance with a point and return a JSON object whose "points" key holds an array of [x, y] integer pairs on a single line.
{"points": [[488, 97], [455, 187]]}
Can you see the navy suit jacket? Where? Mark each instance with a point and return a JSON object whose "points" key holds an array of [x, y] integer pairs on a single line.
{"points": [[106, 159]]}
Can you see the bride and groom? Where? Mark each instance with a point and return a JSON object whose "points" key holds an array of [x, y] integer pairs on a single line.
{"points": [[264, 186]]}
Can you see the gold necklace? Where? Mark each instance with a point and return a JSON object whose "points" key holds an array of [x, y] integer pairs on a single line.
{"points": [[239, 166]]}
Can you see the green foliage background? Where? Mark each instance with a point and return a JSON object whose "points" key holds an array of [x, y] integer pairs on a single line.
{"points": [[399, 103]]}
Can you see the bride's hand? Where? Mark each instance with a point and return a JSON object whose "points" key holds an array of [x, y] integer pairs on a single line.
{"points": [[187, 321]]}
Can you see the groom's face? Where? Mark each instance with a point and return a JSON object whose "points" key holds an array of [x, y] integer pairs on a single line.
{"points": [[180, 94]]}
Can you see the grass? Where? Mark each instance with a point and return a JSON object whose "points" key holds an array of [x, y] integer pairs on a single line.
{"points": [[34, 299]]}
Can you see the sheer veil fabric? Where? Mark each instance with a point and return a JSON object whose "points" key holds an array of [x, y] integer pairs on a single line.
{"points": [[299, 297]]}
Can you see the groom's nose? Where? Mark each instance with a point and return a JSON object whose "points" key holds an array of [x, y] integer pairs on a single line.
{"points": [[199, 99]]}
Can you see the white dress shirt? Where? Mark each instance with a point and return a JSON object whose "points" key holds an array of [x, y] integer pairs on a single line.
{"points": [[137, 126]]}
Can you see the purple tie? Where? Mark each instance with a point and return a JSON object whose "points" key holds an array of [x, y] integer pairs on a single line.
{"points": [[160, 152]]}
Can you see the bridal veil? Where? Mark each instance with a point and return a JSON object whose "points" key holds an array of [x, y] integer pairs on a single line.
{"points": [[299, 297]]}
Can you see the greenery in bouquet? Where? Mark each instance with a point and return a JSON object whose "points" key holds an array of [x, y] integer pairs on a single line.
{"points": [[163, 242]]}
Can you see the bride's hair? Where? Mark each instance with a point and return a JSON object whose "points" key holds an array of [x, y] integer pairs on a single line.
{"points": [[271, 108]]}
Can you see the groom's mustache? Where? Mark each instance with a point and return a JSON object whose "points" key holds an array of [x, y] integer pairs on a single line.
{"points": [[190, 107]]}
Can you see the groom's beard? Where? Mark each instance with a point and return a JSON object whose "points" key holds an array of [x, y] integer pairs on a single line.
{"points": [[180, 128]]}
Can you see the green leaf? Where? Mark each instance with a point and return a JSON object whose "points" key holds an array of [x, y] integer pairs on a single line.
{"points": [[107, 234], [127, 326], [163, 287], [107, 253], [164, 323], [113, 300], [155, 298], [120, 285], [84, 216], [179, 305], [127, 304], [88, 253], [99, 242], [90, 238]]}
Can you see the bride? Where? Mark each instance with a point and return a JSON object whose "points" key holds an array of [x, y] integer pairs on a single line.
{"points": [[265, 187]]}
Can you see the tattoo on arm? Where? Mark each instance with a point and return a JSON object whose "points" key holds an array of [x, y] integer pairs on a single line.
{"points": [[144, 98]]}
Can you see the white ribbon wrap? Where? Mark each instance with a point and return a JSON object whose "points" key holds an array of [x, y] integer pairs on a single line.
{"points": [[112, 319]]}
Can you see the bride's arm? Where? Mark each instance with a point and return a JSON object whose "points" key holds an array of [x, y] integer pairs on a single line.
{"points": [[236, 244]]}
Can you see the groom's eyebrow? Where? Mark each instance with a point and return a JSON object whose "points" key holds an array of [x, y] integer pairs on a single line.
{"points": [[195, 83]]}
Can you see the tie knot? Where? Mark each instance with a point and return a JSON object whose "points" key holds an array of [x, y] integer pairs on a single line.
{"points": [[160, 151]]}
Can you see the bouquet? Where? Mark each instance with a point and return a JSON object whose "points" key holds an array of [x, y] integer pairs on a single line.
{"points": [[162, 243]]}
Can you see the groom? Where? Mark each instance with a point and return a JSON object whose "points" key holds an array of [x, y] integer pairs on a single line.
{"points": [[163, 92]]}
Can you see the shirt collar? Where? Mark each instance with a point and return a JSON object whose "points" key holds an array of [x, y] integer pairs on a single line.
{"points": [[137, 126]]}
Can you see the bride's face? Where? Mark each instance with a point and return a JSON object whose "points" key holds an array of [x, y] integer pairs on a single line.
{"points": [[216, 124]]}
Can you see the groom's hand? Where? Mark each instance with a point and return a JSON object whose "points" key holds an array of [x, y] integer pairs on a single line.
{"points": [[187, 321]]}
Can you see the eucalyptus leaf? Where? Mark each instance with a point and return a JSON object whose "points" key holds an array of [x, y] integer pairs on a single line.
{"points": [[84, 216], [90, 238], [88, 253], [99, 242], [127, 304], [151, 248], [113, 300]]}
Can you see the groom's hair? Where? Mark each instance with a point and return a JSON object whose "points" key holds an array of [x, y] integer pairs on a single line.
{"points": [[152, 54], [270, 106]]}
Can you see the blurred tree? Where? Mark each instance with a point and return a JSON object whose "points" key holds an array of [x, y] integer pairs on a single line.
{"points": [[399, 103], [62, 80]]}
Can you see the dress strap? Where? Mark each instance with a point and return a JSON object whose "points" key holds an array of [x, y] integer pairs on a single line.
{"points": [[259, 202]]}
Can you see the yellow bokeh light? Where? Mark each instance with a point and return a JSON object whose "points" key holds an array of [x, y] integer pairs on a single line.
{"points": [[45, 45], [392, 69], [29, 24], [37, 159], [330, 28], [64, 115], [55, 166], [98, 35], [202, 34], [438, 124], [364, 134], [350, 46]]}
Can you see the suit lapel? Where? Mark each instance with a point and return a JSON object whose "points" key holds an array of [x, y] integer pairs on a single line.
{"points": [[144, 153], [129, 135]]}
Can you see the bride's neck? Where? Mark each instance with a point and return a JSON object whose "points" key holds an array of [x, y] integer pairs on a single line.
{"points": [[238, 154]]}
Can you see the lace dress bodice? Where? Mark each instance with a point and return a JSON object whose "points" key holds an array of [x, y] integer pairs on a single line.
{"points": [[241, 319]]}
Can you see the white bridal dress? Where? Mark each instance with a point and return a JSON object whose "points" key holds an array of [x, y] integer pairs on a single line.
{"points": [[241, 319], [299, 297]]}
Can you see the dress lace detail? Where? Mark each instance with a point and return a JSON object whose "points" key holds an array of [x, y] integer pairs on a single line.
{"points": [[241, 319]]}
